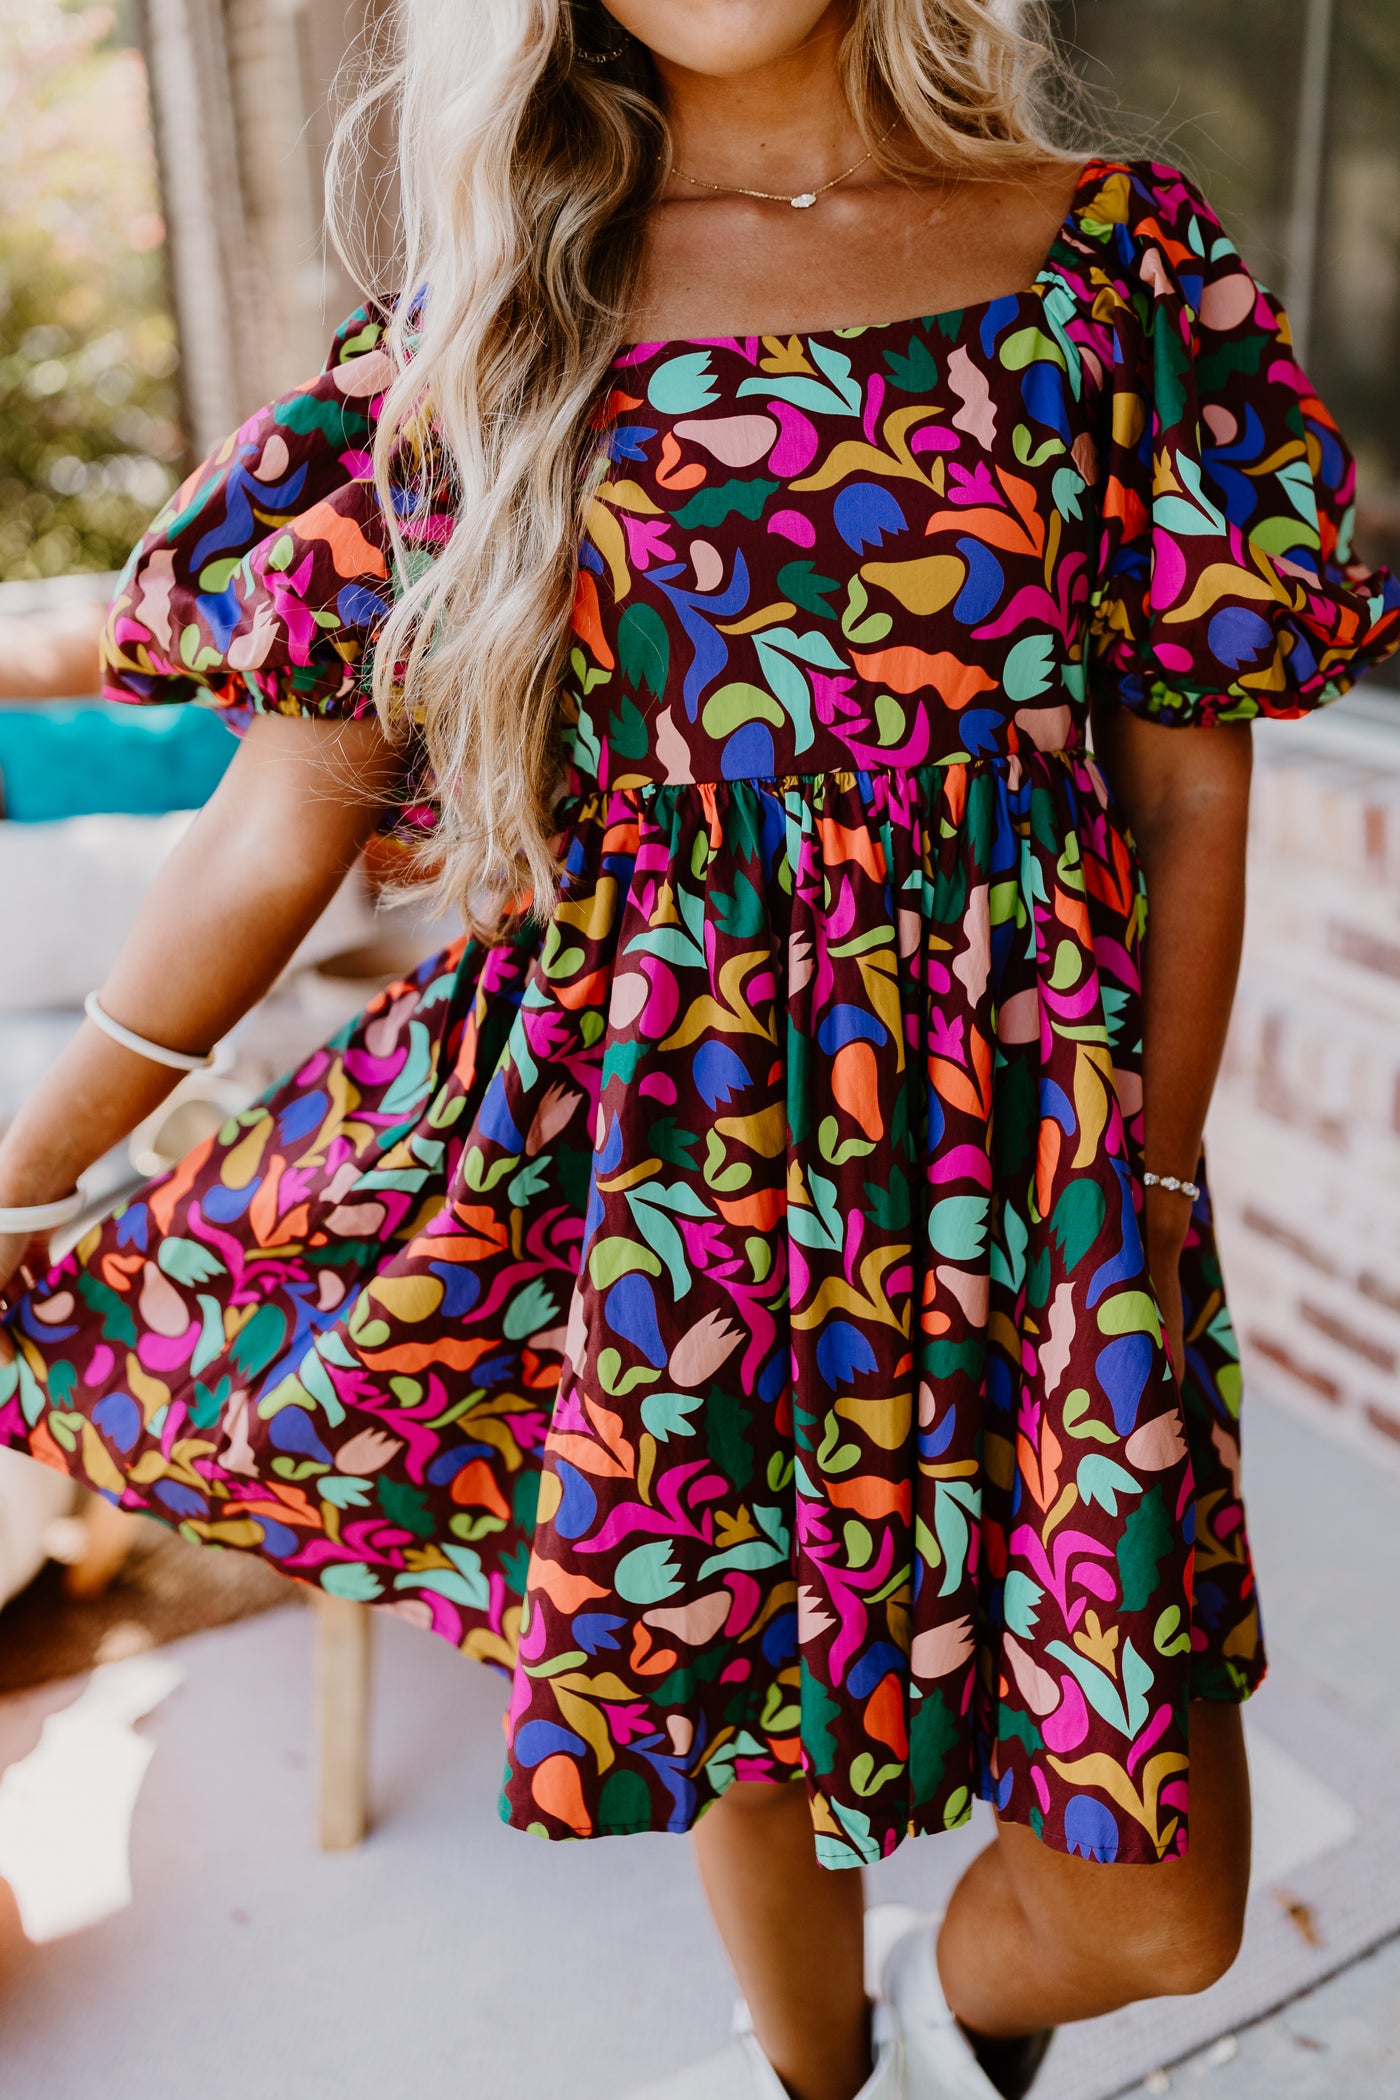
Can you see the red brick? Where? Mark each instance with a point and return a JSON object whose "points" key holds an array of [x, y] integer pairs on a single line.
{"points": [[1269, 1229], [1379, 1290], [1284, 1106], [1354, 944], [1325, 1388], [1338, 1331], [1373, 819], [1381, 1418]]}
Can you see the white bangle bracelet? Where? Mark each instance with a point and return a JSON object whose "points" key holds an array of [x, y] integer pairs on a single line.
{"points": [[41, 1217], [1173, 1184], [177, 1060]]}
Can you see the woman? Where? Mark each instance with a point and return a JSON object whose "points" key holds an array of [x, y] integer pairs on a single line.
{"points": [[760, 1296]]}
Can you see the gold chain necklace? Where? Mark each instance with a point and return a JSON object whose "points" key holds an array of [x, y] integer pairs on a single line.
{"points": [[803, 201]]}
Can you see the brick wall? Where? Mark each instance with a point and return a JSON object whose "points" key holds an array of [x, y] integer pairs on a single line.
{"points": [[1304, 1137]]}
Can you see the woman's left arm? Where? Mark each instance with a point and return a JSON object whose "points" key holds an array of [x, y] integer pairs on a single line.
{"points": [[1184, 793]]}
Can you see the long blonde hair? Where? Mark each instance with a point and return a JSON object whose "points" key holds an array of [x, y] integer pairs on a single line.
{"points": [[525, 174]]}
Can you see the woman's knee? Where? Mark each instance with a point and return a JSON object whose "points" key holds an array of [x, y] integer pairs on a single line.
{"points": [[1169, 1930], [1167, 1941], [1149, 1956], [1178, 1957], [759, 1801], [1194, 1927], [756, 1817]]}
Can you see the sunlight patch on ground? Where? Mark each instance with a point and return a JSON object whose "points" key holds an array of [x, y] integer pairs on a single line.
{"points": [[1297, 1816], [66, 1808]]}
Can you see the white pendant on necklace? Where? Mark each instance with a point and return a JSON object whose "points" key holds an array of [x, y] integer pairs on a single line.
{"points": [[804, 202]]}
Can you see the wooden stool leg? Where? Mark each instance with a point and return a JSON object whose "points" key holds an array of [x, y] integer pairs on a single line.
{"points": [[342, 1707], [108, 1535]]}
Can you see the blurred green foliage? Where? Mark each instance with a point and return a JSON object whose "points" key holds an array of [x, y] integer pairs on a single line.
{"points": [[90, 439]]}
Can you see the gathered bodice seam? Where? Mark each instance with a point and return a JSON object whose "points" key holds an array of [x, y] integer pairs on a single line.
{"points": [[588, 789]]}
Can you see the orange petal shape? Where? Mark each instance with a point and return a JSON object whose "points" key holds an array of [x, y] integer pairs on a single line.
{"points": [[562, 1585], [842, 842], [906, 670], [476, 1485], [557, 1789], [761, 1210], [351, 553], [870, 1496], [884, 1716], [588, 622], [855, 1082], [44, 1447], [161, 1203]]}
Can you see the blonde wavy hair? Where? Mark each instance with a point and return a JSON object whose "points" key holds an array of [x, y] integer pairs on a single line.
{"points": [[525, 173]]}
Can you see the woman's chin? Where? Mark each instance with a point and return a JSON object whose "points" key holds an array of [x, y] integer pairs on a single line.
{"points": [[727, 39]]}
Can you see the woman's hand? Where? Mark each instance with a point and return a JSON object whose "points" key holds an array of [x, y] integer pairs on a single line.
{"points": [[246, 883], [23, 1257], [1165, 1221]]}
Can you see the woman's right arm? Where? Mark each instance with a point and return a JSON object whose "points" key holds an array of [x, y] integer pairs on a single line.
{"points": [[228, 909]]}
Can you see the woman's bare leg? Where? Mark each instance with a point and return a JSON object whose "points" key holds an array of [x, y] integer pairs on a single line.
{"points": [[793, 1932], [1032, 1938]]}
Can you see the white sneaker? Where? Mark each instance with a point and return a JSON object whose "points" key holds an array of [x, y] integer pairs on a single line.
{"points": [[743, 2072], [938, 2059], [884, 1924]]}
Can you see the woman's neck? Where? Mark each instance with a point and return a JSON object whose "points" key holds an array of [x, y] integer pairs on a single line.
{"points": [[783, 127]]}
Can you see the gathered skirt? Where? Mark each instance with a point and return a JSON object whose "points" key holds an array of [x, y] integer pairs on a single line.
{"points": [[725, 1310]]}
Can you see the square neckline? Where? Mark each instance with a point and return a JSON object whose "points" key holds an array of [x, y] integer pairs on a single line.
{"points": [[639, 351]]}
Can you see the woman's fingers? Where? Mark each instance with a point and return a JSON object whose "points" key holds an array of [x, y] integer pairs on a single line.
{"points": [[1173, 1321], [14, 1249], [24, 1258]]}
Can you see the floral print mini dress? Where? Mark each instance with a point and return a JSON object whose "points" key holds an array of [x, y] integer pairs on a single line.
{"points": [[725, 1307]]}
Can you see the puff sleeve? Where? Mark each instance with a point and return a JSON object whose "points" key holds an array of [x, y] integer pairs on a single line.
{"points": [[1225, 587], [259, 586]]}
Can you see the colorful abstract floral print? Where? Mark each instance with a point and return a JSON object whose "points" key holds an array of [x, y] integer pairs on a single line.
{"points": [[726, 1308]]}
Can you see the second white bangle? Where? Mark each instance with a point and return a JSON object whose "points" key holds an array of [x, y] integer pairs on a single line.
{"points": [[177, 1060], [41, 1217]]}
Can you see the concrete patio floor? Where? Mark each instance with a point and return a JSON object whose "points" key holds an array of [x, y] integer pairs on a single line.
{"points": [[451, 1957], [1325, 1524]]}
